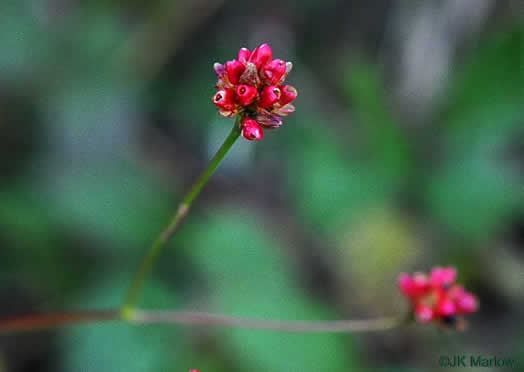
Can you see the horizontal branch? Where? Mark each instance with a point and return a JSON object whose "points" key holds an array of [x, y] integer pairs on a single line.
{"points": [[39, 321], [217, 320]]}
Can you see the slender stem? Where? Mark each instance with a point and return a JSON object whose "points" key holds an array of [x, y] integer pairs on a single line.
{"points": [[218, 320], [39, 321], [174, 223], [33, 322]]}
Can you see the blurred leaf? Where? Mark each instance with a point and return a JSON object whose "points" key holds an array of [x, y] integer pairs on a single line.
{"points": [[335, 179], [387, 144], [93, 180], [249, 276], [476, 187], [20, 39], [117, 202], [329, 186], [473, 196], [492, 77], [36, 244]]}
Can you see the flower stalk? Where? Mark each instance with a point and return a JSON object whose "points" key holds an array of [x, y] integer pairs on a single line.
{"points": [[127, 309]]}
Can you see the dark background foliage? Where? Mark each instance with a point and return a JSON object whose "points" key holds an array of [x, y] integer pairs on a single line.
{"points": [[406, 151]]}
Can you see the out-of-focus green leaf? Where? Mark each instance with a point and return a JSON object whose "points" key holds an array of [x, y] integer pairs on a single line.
{"points": [[493, 76], [387, 146], [329, 186], [477, 187], [474, 195], [250, 276], [37, 246], [116, 202], [332, 181]]}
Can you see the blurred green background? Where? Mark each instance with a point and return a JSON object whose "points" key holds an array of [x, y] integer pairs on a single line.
{"points": [[406, 151]]}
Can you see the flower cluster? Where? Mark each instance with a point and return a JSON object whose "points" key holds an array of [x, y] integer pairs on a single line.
{"points": [[437, 297], [253, 86]]}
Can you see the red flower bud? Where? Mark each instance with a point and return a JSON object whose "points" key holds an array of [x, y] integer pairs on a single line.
{"points": [[273, 71], [269, 96], [261, 55], [246, 94], [225, 99], [251, 130], [243, 55], [446, 307], [288, 95], [234, 70]]}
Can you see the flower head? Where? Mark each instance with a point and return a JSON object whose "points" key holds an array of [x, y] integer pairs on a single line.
{"points": [[253, 86], [437, 298]]}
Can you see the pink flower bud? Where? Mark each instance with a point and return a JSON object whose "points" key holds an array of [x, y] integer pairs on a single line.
{"points": [[243, 55], [246, 94], [269, 96], [420, 283], [456, 291], [443, 276], [234, 70], [288, 95], [467, 303], [273, 71], [251, 130], [405, 283], [261, 55], [423, 313], [225, 99]]}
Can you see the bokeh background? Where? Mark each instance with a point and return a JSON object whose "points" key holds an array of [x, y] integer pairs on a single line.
{"points": [[406, 151]]}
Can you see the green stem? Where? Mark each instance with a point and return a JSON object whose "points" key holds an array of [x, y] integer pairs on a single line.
{"points": [[127, 309]]}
